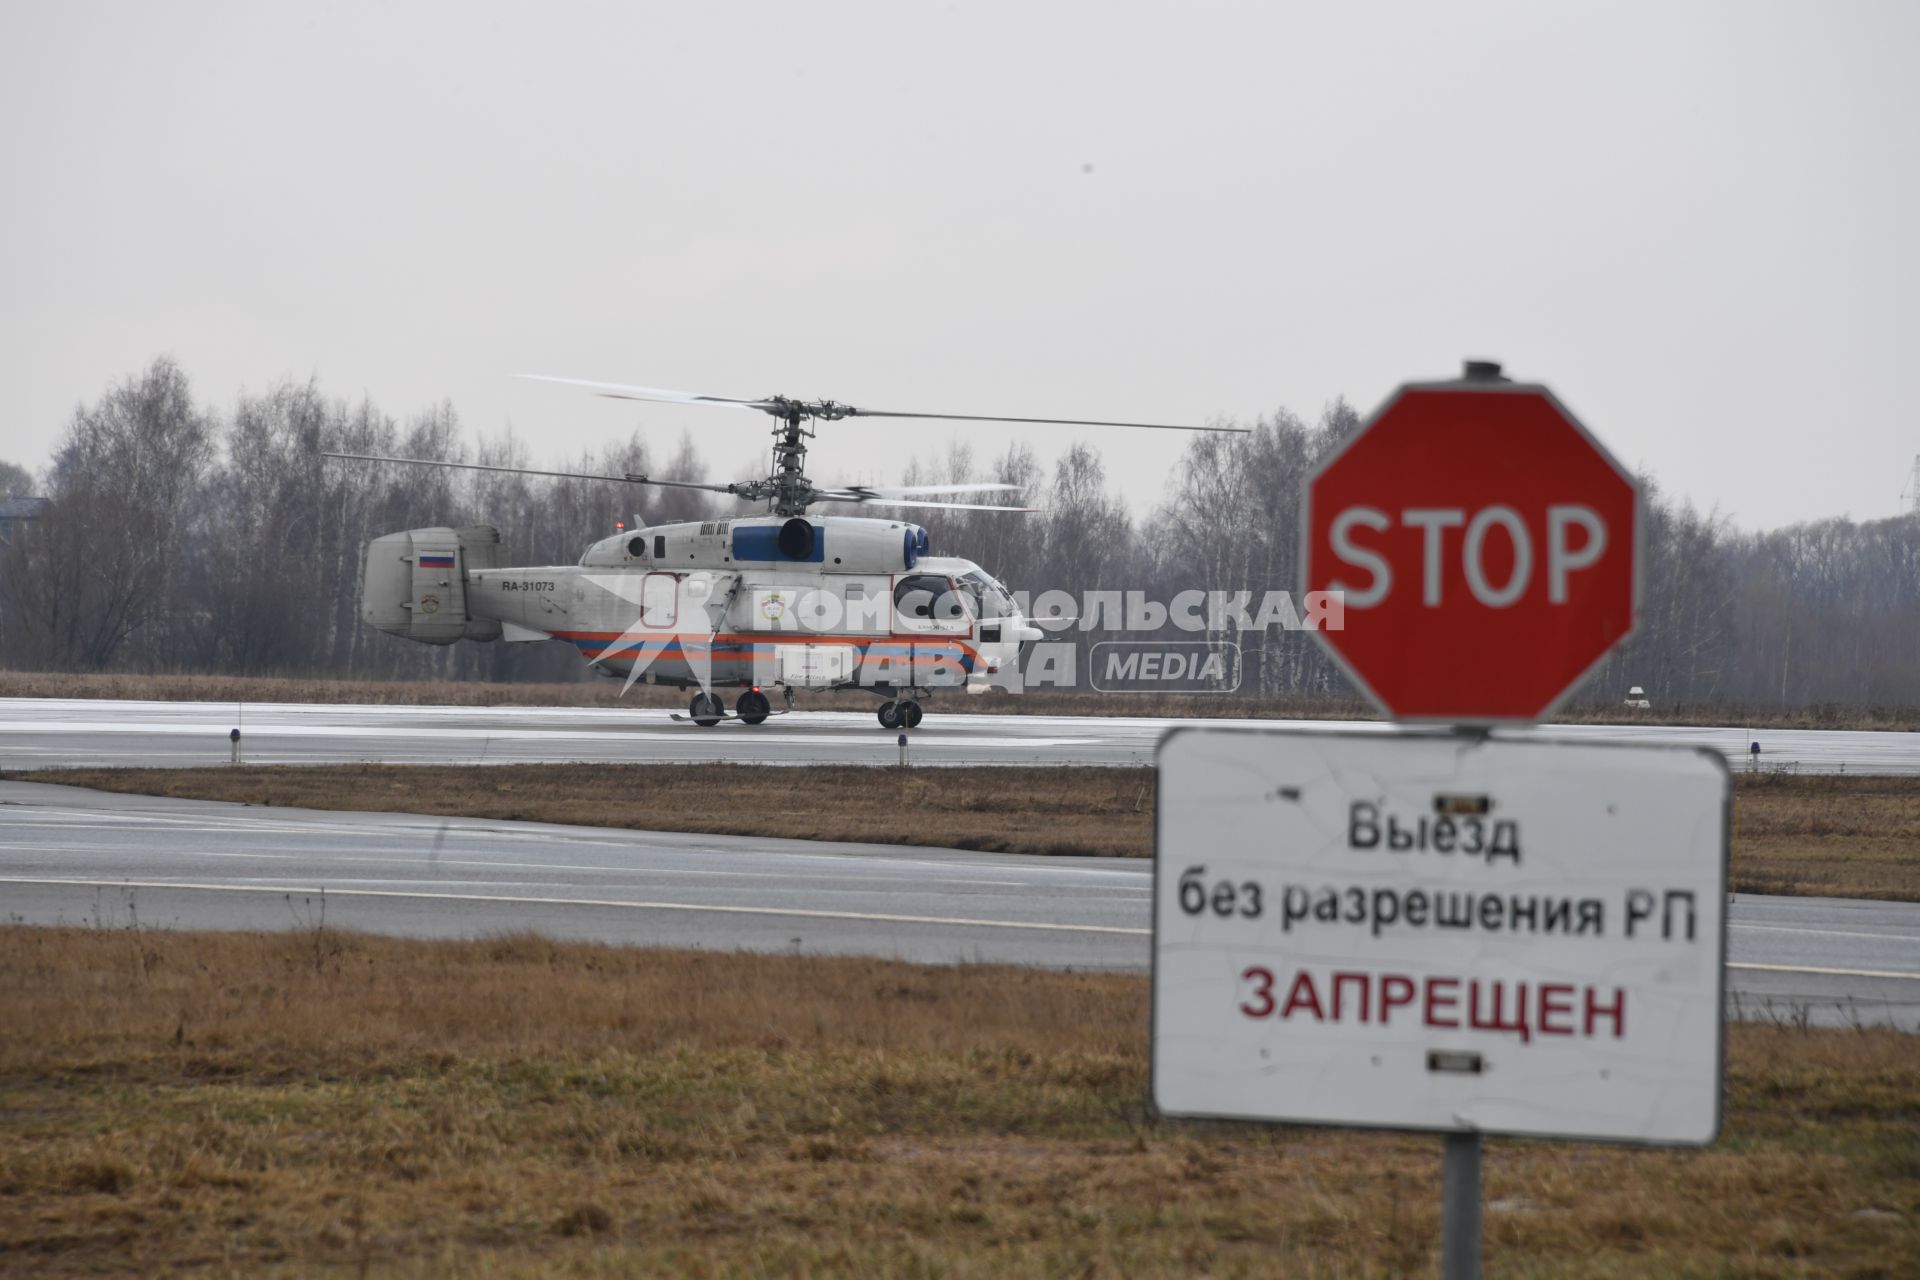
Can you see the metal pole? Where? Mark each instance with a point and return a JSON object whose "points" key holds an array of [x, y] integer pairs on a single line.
{"points": [[1460, 1208]]}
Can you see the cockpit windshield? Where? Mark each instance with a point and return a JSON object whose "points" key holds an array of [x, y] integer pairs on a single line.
{"points": [[990, 599]]}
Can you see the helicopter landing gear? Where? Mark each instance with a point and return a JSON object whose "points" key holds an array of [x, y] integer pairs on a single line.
{"points": [[752, 707], [904, 714]]}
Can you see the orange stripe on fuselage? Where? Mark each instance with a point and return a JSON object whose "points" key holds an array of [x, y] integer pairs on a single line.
{"points": [[635, 638]]}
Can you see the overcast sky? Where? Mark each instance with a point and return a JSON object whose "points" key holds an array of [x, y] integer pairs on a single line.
{"points": [[1697, 222]]}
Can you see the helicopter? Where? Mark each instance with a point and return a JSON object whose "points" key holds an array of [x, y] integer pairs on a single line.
{"points": [[782, 601]]}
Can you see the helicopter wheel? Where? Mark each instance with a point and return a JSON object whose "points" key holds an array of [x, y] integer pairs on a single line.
{"points": [[753, 707], [706, 710], [889, 714], [909, 715]]}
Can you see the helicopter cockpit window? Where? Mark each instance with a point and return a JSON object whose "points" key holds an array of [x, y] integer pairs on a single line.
{"points": [[923, 595], [990, 599]]}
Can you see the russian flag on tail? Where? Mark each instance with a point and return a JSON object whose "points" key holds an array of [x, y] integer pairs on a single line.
{"points": [[436, 560]]}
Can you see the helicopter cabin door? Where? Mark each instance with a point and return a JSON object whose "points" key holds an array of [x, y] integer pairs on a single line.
{"points": [[930, 613], [659, 600]]}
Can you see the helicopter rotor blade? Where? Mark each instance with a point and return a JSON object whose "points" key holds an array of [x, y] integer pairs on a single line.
{"points": [[830, 410], [919, 502], [1044, 422], [872, 493], [918, 490], [620, 391], [685, 484], [531, 471], [468, 466]]}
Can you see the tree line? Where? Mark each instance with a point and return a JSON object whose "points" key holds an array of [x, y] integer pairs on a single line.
{"points": [[181, 538]]}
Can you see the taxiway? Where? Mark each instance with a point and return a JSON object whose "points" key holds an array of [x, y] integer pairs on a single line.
{"points": [[43, 733], [81, 857]]}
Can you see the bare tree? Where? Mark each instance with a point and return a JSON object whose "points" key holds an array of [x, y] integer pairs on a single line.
{"points": [[106, 562], [15, 482]]}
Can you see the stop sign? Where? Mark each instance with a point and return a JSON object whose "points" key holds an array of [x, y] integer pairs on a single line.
{"points": [[1486, 546]]}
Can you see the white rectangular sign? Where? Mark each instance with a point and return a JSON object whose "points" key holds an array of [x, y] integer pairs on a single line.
{"points": [[1438, 931]]}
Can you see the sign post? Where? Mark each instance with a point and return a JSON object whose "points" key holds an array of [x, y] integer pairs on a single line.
{"points": [[1460, 1207], [1463, 932]]}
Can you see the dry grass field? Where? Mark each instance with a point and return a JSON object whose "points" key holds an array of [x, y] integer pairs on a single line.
{"points": [[316, 1103], [995, 809], [1830, 836], [1845, 837], [606, 693]]}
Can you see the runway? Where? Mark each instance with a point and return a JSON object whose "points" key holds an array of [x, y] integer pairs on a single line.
{"points": [[43, 733], [81, 857]]}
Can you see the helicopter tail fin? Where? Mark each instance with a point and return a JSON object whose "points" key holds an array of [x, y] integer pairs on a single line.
{"points": [[415, 583]]}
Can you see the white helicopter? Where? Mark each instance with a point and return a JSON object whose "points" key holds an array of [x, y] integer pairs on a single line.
{"points": [[778, 601]]}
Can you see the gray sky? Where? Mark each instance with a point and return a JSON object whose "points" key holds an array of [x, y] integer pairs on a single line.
{"points": [[1696, 221]]}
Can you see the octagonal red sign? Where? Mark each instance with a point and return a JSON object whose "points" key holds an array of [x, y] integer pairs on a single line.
{"points": [[1487, 548]]}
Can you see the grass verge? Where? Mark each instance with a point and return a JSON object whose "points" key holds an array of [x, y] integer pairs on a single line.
{"points": [[1846, 837], [1829, 836], [606, 693], [992, 809], [312, 1102]]}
